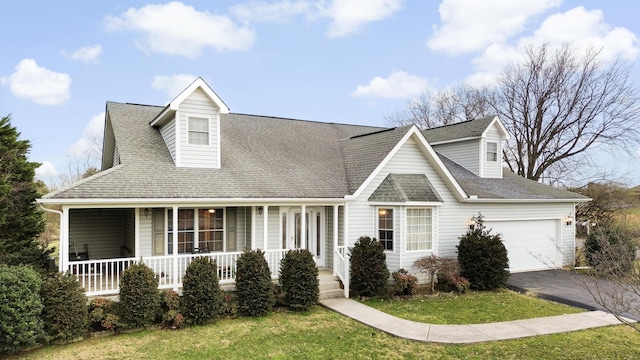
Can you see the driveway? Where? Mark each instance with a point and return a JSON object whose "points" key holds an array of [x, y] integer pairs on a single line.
{"points": [[562, 286]]}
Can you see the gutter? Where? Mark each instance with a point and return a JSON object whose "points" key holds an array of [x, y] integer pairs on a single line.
{"points": [[60, 231]]}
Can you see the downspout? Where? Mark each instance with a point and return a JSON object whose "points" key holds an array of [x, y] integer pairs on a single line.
{"points": [[61, 231]]}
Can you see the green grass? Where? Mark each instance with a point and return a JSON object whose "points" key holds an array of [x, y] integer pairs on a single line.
{"points": [[323, 334], [471, 308]]}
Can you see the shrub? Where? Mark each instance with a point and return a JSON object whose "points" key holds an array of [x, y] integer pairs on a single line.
{"points": [[201, 297], [610, 252], [449, 278], [483, 258], [429, 265], [299, 280], [229, 306], [138, 296], [20, 307], [65, 307], [169, 310], [404, 283], [369, 272], [253, 284], [103, 315]]}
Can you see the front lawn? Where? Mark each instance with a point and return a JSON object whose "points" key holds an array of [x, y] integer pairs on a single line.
{"points": [[323, 334], [473, 307]]}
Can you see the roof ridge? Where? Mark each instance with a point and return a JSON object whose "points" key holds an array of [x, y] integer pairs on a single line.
{"points": [[304, 120], [461, 122]]}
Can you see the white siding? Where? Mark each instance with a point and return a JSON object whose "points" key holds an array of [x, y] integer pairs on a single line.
{"points": [[199, 156], [492, 169], [168, 132], [129, 245], [465, 153], [451, 218], [146, 233], [116, 156], [98, 231], [274, 229]]}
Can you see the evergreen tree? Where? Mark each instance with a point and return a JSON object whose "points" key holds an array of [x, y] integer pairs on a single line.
{"points": [[20, 218]]}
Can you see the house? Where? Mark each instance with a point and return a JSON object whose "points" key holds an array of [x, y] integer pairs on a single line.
{"points": [[192, 179]]}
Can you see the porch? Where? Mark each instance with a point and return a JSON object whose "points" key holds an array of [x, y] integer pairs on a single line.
{"points": [[98, 244]]}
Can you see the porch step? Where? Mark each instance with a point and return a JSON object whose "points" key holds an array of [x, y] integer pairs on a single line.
{"points": [[329, 286]]}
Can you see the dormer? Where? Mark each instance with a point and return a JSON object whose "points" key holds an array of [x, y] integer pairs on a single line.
{"points": [[476, 144], [190, 126]]}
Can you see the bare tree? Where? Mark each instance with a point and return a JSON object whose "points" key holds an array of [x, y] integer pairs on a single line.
{"points": [[559, 105]]}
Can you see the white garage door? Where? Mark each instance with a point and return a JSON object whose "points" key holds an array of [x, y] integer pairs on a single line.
{"points": [[531, 244]]}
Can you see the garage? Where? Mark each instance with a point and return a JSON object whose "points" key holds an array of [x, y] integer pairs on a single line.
{"points": [[531, 244]]}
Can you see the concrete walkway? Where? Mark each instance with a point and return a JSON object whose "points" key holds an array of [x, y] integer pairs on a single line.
{"points": [[461, 334]]}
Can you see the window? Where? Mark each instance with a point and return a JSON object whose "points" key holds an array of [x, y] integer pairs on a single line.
{"points": [[185, 231], [210, 226], [492, 151], [198, 131], [419, 229], [385, 228]]}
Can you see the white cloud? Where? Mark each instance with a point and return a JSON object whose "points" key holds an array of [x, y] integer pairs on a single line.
{"points": [[47, 171], [349, 16], [470, 25], [174, 84], [582, 28], [262, 11], [90, 144], [86, 54], [38, 84], [179, 29], [399, 85]]}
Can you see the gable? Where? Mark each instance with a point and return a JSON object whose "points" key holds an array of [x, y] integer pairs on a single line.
{"points": [[402, 188]]}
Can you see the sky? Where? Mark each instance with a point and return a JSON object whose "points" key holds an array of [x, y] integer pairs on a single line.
{"points": [[343, 61]]}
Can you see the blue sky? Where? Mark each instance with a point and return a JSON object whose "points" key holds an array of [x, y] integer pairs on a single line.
{"points": [[347, 61]]}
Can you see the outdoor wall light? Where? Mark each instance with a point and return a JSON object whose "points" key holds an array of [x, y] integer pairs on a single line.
{"points": [[212, 211], [569, 219], [382, 212], [146, 212], [259, 210], [472, 222]]}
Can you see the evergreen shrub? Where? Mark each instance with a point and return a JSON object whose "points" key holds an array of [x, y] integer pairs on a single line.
{"points": [[254, 289], [138, 296], [65, 312], [369, 272], [201, 294], [299, 280]]}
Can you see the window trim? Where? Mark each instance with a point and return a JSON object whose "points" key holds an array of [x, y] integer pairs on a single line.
{"points": [[491, 152], [406, 228], [195, 231], [208, 132], [393, 226]]}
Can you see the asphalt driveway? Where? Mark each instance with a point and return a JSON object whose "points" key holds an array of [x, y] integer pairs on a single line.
{"points": [[567, 287]]}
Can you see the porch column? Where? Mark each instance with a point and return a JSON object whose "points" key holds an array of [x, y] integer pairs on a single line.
{"points": [[175, 246], [137, 233], [345, 241], [303, 227], [335, 237], [265, 235], [253, 228], [63, 265]]}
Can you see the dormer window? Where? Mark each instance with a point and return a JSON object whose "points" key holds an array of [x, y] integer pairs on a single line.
{"points": [[198, 131], [492, 151]]}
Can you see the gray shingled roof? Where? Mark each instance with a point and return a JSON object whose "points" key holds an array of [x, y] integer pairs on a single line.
{"points": [[268, 157], [511, 186], [465, 129], [262, 157], [405, 187]]}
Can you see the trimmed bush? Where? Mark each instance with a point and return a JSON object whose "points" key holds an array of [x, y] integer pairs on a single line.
{"points": [[299, 280], [229, 304], [201, 297], [483, 258], [138, 296], [610, 252], [369, 272], [253, 284], [169, 310], [65, 313], [103, 315], [404, 284], [20, 307]]}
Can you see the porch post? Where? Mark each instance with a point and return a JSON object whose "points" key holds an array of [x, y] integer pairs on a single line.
{"points": [[345, 241], [303, 227], [265, 234], [137, 233], [335, 238], [175, 246], [253, 228], [63, 265]]}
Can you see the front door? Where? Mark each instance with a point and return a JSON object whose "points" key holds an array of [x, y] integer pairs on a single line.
{"points": [[291, 231]]}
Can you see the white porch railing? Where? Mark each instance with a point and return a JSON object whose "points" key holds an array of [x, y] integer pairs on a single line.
{"points": [[342, 267], [102, 277]]}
